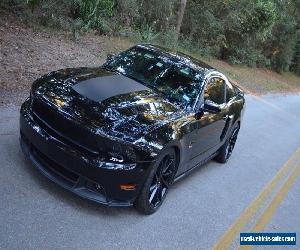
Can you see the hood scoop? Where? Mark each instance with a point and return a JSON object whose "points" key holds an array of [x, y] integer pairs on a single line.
{"points": [[101, 88]]}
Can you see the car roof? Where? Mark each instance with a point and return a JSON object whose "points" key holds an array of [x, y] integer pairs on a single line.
{"points": [[177, 56]]}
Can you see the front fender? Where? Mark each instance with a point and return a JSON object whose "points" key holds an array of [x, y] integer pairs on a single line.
{"points": [[166, 136]]}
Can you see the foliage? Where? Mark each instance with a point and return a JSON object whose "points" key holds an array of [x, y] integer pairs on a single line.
{"points": [[169, 39], [148, 34], [93, 12], [33, 4], [295, 66], [259, 33]]}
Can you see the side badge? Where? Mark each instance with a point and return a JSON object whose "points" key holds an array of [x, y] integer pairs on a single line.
{"points": [[116, 159]]}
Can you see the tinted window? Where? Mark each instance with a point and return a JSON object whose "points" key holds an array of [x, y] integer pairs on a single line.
{"points": [[229, 92], [178, 82], [215, 91]]}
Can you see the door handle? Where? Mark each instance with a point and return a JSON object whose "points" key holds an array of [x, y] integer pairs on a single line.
{"points": [[225, 117], [191, 144]]}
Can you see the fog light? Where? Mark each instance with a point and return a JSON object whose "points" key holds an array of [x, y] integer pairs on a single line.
{"points": [[127, 187]]}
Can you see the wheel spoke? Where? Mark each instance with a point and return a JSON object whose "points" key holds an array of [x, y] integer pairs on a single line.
{"points": [[163, 192], [153, 192], [170, 163], [156, 197], [231, 143], [159, 192], [167, 161], [156, 177], [161, 180], [169, 168], [164, 182], [152, 187]]}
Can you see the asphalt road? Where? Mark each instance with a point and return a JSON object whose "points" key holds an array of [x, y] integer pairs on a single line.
{"points": [[37, 214]]}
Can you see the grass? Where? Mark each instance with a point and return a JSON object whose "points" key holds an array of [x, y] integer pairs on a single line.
{"points": [[256, 80], [113, 45]]}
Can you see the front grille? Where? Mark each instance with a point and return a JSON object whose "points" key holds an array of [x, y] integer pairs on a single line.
{"points": [[61, 175], [64, 129], [54, 168]]}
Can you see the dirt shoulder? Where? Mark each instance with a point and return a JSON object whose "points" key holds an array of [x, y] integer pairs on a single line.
{"points": [[258, 81], [27, 53]]}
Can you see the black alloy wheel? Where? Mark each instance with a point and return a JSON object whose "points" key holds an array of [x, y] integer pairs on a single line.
{"points": [[226, 150], [156, 186], [231, 142], [161, 181]]}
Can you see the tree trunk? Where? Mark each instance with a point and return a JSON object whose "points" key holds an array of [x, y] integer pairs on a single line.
{"points": [[180, 15]]}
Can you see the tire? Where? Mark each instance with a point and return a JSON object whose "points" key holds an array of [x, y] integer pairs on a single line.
{"points": [[156, 186], [226, 150]]}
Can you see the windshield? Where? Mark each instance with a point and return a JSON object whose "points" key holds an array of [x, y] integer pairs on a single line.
{"points": [[178, 82]]}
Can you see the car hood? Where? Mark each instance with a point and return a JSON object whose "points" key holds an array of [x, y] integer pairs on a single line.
{"points": [[111, 103]]}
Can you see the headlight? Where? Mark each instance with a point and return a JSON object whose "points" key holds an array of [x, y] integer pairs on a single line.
{"points": [[118, 153]]}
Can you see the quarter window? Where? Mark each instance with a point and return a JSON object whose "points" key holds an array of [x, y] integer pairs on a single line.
{"points": [[215, 91]]}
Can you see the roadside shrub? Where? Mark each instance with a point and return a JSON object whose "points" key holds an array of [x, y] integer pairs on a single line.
{"points": [[283, 44], [93, 12], [259, 33], [295, 67], [148, 34], [78, 27], [169, 38], [247, 27], [33, 4]]}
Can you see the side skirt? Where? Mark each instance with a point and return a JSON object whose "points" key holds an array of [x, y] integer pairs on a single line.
{"points": [[196, 166]]}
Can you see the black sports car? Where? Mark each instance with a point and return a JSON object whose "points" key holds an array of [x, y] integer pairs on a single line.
{"points": [[122, 133]]}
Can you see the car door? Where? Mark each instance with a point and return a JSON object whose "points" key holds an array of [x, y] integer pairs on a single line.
{"points": [[209, 128]]}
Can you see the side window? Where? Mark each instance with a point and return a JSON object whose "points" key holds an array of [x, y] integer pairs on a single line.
{"points": [[229, 92], [215, 91]]}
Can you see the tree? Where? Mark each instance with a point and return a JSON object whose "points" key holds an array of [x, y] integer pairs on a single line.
{"points": [[180, 15]]}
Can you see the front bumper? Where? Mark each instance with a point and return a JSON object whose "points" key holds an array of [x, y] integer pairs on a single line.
{"points": [[75, 170]]}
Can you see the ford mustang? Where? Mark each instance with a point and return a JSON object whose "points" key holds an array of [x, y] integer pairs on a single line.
{"points": [[122, 133]]}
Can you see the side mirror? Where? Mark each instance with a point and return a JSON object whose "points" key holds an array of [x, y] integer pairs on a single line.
{"points": [[199, 114], [109, 56], [211, 107]]}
